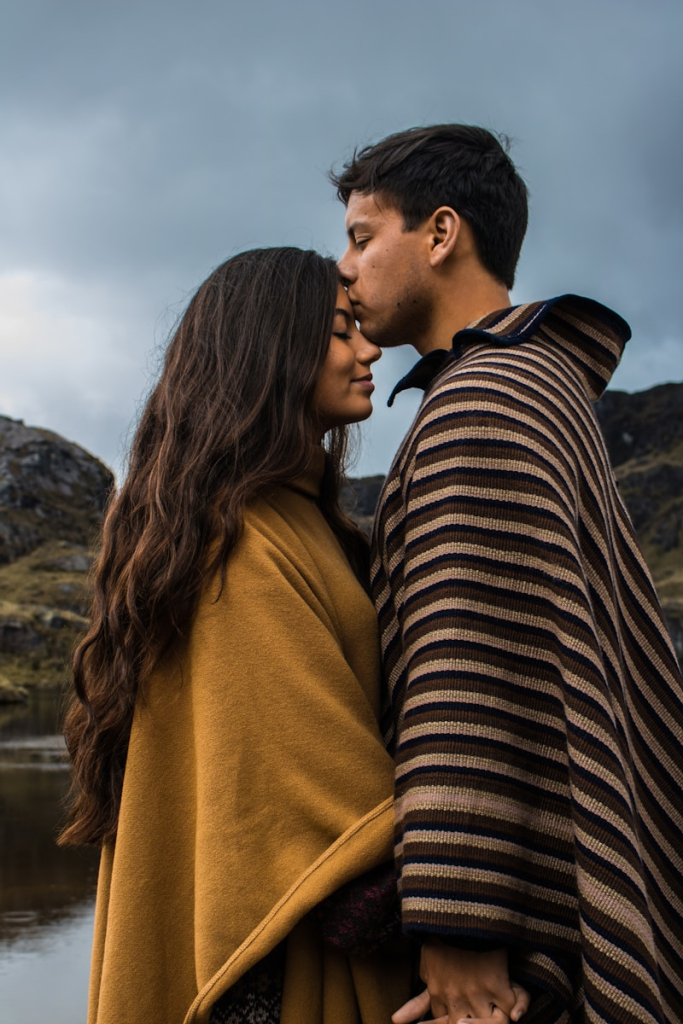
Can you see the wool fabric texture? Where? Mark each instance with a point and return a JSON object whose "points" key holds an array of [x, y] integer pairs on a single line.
{"points": [[534, 704], [257, 784]]}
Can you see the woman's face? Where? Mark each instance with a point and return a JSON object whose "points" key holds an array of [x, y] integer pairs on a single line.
{"points": [[343, 392]]}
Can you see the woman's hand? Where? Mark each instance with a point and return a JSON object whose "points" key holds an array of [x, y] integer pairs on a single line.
{"points": [[464, 986]]}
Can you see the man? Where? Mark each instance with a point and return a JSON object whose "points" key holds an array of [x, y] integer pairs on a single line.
{"points": [[534, 701]]}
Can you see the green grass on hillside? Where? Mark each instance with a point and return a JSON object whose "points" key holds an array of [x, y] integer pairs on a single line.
{"points": [[43, 600]]}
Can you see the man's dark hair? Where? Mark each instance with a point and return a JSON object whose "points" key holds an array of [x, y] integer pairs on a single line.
{"points": [[456, 165]]}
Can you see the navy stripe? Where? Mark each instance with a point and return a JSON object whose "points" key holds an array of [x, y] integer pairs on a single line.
{"points": [[554, 850], [451, 772]]}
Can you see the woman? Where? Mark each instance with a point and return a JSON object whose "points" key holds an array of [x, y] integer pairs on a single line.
{"points": [[224, 731]]}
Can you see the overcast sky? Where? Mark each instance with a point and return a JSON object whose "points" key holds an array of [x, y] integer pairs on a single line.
{"points": [[145, 142]]}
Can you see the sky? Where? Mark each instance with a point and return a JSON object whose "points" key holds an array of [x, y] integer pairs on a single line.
{"points": [[145, 142]]}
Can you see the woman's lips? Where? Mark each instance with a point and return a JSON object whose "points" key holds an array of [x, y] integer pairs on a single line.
{"points": [[365, 383]]}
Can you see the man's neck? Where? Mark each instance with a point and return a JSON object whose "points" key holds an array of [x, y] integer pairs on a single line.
{"points": [[472, 297]]}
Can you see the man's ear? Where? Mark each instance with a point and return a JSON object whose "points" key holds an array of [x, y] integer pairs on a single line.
{"points": [[444, 228]]}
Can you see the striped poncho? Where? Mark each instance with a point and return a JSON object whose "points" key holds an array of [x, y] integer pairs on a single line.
{"points": [[534, 704]]}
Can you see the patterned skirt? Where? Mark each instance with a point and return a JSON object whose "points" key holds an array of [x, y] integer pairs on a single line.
{"points": [[257, 997], [358, 918]]}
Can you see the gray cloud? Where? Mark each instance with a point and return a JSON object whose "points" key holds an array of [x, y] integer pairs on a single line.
{"points": [[145, 142]]}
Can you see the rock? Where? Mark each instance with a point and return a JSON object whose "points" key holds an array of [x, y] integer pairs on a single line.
{"points": [[17, 632], [54, 620], [647, 423], [10, 693], [644, 435], [37, 642], [50, 489], [674, 621], [77, 561], [649, 489], [359, 497], [52, 495]]}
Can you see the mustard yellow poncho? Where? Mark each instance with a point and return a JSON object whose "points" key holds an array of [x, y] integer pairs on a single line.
{"points": [[256, 785]]}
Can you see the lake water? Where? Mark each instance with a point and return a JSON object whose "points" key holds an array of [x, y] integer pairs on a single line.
{"points": [[46, 893]]}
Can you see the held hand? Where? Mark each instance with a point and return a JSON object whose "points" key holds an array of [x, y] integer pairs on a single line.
{"points": [[462, 985]]}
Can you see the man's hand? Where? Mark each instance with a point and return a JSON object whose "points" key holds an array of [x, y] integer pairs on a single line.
{"points": [[464, 986]]}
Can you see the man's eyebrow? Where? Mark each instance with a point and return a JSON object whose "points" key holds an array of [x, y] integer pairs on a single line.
{"points": [[355, 226]]}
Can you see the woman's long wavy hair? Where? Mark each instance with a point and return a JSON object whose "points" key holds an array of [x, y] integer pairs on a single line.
{"points": [[229, 418]]}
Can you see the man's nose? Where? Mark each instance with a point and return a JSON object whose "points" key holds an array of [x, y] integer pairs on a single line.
{"points": [[346, 271]]}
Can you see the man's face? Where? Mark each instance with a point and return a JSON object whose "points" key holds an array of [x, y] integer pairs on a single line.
{"points": [[386, 270]]}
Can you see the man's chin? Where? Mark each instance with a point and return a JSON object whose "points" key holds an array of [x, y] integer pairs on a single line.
{"points": [[384, 338], [370, 329], [382, 334]]}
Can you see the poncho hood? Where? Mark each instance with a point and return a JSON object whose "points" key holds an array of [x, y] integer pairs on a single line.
{"points": [[590, 336]]}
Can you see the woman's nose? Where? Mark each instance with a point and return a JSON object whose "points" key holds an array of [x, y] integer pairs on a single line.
{"points": [[370, 353]]}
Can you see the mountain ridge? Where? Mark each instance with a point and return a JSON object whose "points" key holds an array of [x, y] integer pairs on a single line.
{"points": [[53, 493]]}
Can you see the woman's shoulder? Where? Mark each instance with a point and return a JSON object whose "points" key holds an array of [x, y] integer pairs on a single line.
{"points": [[285, 541], [287, 520], [290, 518], [287, 562]]}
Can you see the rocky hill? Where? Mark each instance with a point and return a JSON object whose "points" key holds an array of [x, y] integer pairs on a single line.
{"points": [[644, 436], [52, 494]]}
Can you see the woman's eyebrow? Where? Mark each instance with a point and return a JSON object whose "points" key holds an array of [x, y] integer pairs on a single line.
{"points": [[339, 311]]}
